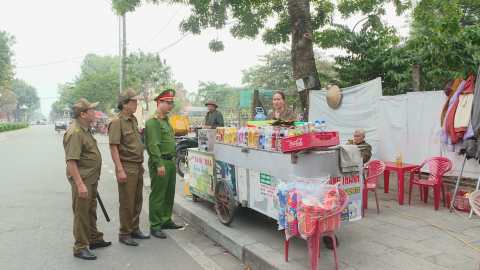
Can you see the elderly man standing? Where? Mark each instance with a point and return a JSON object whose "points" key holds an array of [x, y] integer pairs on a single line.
{"points": [[214, 118], [359, 139], [84, 162], [126, 148]]}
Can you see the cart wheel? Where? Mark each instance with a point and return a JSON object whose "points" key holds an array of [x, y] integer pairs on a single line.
{"points": [[194, 198], [328, 242], [224, 202]]}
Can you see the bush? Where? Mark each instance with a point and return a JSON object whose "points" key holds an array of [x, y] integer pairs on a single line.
{"points": [[12, 126]]}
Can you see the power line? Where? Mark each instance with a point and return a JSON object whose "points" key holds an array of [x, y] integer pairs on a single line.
{"points": [[172, 43], [51, 63], [164, 26]]}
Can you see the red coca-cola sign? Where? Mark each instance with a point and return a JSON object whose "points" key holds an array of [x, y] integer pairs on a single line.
{"points": [[295, 143]]}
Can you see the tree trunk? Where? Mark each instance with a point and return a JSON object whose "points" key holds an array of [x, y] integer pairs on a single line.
{"points": [[303, 60]]}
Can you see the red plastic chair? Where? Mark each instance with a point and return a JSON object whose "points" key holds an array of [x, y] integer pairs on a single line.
{"points": [[375, 169], [326, 226], [438, 167]]}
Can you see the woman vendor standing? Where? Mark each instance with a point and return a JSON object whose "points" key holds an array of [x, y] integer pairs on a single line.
{"points": [[281, 111]]}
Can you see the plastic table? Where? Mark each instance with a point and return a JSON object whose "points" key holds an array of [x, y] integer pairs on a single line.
{"points": [[392, 166]]}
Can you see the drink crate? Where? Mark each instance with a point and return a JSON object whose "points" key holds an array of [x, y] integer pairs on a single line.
{"points": [[310, 141], [460, 203]]}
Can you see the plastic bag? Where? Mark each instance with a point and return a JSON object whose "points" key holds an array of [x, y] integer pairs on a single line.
{"points": [[283, 190]]}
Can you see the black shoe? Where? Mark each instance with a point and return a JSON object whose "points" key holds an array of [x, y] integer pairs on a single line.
{"points": [[140, 235], [128, 241], [158, 233], [85, 255], [93, 246], [171, 226]]}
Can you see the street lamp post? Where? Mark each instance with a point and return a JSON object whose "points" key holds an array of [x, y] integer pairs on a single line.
{"points": [[24, 108]]}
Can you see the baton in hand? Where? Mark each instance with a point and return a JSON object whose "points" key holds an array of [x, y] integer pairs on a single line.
{"points": [[103, 208]]}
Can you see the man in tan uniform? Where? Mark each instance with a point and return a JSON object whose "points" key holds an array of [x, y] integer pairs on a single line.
{"points": [[83, 171], [126, 148]]}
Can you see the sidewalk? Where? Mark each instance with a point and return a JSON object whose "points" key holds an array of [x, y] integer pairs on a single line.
{"points": [[14, 132], [388, 240]]}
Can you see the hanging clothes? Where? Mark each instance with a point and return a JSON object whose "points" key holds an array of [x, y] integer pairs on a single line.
{"points": [[444, 135], [454, 88], [464, 108]]}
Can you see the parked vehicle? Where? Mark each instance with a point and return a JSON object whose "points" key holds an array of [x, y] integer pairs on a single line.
{"points": [[183, 143], [182, 165]]}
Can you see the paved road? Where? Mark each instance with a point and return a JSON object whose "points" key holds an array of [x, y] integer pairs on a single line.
{"points": [[36, 217]]}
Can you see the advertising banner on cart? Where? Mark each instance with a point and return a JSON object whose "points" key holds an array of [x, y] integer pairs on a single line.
{"points": [[226, 171], [263, 193], [202, 177], [353, 187]]}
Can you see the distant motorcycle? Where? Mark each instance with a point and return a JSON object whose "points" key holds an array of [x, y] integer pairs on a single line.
{"points": [[94, 131], [184, 143]]}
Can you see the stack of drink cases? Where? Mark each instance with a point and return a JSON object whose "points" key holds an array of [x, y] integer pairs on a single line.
{"points": [[267, 137]]}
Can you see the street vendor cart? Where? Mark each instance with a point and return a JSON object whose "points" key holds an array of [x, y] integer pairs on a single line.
{"points": [[230, 175]]}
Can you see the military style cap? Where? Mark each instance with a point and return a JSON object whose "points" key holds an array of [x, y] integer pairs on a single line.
{"points": [[81, 105], [165, 94], [128, 94], [211, 102]]}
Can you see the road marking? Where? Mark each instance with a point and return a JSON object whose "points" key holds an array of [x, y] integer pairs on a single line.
{"points": [[110, 171], [200, 257]]}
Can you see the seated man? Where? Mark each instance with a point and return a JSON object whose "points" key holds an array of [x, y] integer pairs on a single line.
{"points": [[359, 139]]}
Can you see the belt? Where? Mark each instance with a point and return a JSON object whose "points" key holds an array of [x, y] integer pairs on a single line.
{"points": [[167, 158]]}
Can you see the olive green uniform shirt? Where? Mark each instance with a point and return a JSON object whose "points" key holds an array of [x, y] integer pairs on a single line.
{"points": [[80, 146], [123, 131], [214, 119], [160, 139]]}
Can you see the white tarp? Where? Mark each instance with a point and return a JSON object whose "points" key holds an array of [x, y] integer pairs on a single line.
{"points": [[360, 107], [408, 123]]}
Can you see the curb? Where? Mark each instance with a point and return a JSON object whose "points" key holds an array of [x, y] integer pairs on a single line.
{"points": [[13, 133], [245, 248]]}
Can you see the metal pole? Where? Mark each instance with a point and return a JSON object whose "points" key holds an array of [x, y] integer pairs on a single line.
{"points": [[124, 48], [458, 182], [120, 51]]}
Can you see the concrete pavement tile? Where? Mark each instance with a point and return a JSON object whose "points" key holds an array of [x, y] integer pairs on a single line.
{"points": [[405, 233], [369, 222], [262, 257], [398, 220], [367, 246], [359, 260], [434, 232], [231, 239], [473, 232], [406, 261], [341, 266], [450, 261], [409, 247], [361, 231], [454, 227], [475, 244], [457, 249]]}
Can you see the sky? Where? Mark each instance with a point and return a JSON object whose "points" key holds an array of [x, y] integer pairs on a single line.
{"points": [[53, 36]]}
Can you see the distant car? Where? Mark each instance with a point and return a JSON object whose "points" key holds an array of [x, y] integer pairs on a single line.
{"points": [[33, 123], [42, 122], [63, 125]]}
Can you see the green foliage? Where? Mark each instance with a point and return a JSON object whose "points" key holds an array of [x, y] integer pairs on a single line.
{"points": [[446, 40], [216, 45], [7, 64], [276, 73], [227, 96], [27, 95], [12, 126], [98, 81]]}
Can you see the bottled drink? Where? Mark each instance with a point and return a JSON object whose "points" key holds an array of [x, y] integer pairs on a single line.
{"points": [[291, 133], [280, 137], [251, 135], [324, 127], [268, 138], [274, 140], [245, 138], [256, 139], [399, 159], [318, 127], [241, 136], [233, 136], [261, 139], [311, 127], [260, 115]]}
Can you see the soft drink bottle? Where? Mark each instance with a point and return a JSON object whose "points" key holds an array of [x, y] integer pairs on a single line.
{"points": [[318, 127], [274, 140], [261, 139], [256, 139], [268, 136], [324, 126]]}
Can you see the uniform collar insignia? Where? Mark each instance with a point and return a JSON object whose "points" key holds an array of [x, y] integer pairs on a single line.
{"points": [[155, 116], [77, 130], [161, 117]]}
